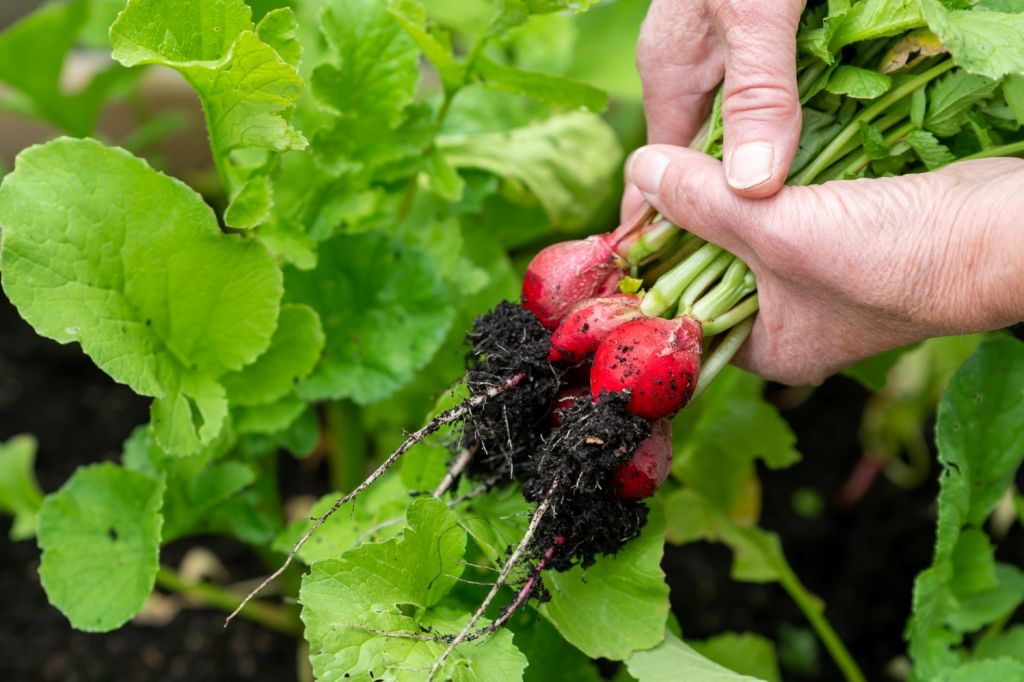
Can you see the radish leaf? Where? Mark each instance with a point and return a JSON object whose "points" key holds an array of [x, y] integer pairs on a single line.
{"points": [[674, 659], [981, 448], [144, 280], [20, 495], [397, 586], [617, 606], [384, 311], [100, 539], [247, 89]]}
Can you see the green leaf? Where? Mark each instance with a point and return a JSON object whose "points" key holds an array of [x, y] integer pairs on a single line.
{"points": [[1009, 643], [193, 486], [858, 83], [368, 87], [551, 658], [379, 515], [294, 350], [556, 90], [746, 654], [674, 660], [1013, 90], [384, 311], [565, 162], [994, 670], [100, 540], [873, 142], [32, 56], [246, 88], [983, 42], [933, 154], [618, 605], [278, 29], [395, 587], [951, 97], [268, 418], [873, 372], [980, 448], [412, 17], [101, 249], [724, 431], [870, 19], [20, 495]]}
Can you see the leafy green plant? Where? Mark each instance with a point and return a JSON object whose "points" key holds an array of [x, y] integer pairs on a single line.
{"points": [[385, 168]]}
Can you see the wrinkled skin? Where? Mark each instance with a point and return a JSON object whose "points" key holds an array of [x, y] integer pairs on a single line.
{"points": [[656, 360], [852, 268], [642, 475], [568, 273], [579, 334]]}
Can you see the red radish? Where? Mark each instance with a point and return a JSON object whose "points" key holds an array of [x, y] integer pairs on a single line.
{"points": [[647, 470], [657, 360], [579, 334], [565, 400], [567, 273]]}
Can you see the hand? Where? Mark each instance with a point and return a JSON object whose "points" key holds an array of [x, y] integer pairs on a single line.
{"points": [[849, 269], [687, 47]]}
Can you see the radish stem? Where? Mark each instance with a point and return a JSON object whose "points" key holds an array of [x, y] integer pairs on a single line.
{"points": [[665, 292], [721, 354]]}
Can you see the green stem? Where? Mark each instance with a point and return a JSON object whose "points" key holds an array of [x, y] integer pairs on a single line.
{"points": [[665, 292], [815, 614], [721, 354], [706, 278], [832, 151], [687, 246], [275, 618], [347, 445], [737, 282], [849, 168], [650, 241], [1011, 149], [733, 317]]}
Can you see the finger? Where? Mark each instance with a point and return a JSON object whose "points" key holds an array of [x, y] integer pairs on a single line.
{"points": [[631, 201], [681, 62], [689, 189], [760, 104]]}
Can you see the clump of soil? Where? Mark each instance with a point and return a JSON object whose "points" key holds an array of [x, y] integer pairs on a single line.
{"points": [[581, 454], [505, 431]]}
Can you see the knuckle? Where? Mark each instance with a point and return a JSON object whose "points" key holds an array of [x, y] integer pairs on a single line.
{"points": [[761, 98]]}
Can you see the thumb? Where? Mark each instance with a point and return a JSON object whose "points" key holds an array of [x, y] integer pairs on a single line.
{"points": [[760, 104], [689, 189]]}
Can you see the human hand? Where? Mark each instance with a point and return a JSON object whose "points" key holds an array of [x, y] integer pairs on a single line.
{"points": [[849, 269], [687, 47]]}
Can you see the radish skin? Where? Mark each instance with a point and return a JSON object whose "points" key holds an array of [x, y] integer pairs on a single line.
{"points": [[642, 475], [583, 329], [656, 360], [568, 273]]}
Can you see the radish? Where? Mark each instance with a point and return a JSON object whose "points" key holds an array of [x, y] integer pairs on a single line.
{"points": [[642, 475], [656, 360], [567, 273], [579, 334]]}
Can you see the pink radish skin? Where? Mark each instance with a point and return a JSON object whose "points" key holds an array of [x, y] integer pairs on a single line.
{"points": [[583, 329], [641, 476], [565, 274], [657, 360]]}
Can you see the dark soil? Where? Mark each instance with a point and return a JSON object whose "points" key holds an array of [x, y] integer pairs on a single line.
{"points": [[79, 415], [508, 342], [578, 461]]}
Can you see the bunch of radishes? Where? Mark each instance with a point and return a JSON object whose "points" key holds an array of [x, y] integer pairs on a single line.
{"points": [[649, 343]]}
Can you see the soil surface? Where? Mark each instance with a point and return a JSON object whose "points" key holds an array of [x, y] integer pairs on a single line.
{"points": [[860, 559], [80, 415]]}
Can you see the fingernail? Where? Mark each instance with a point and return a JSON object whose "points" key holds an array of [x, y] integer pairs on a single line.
{"points": [[751, 165], [646, 168]]}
